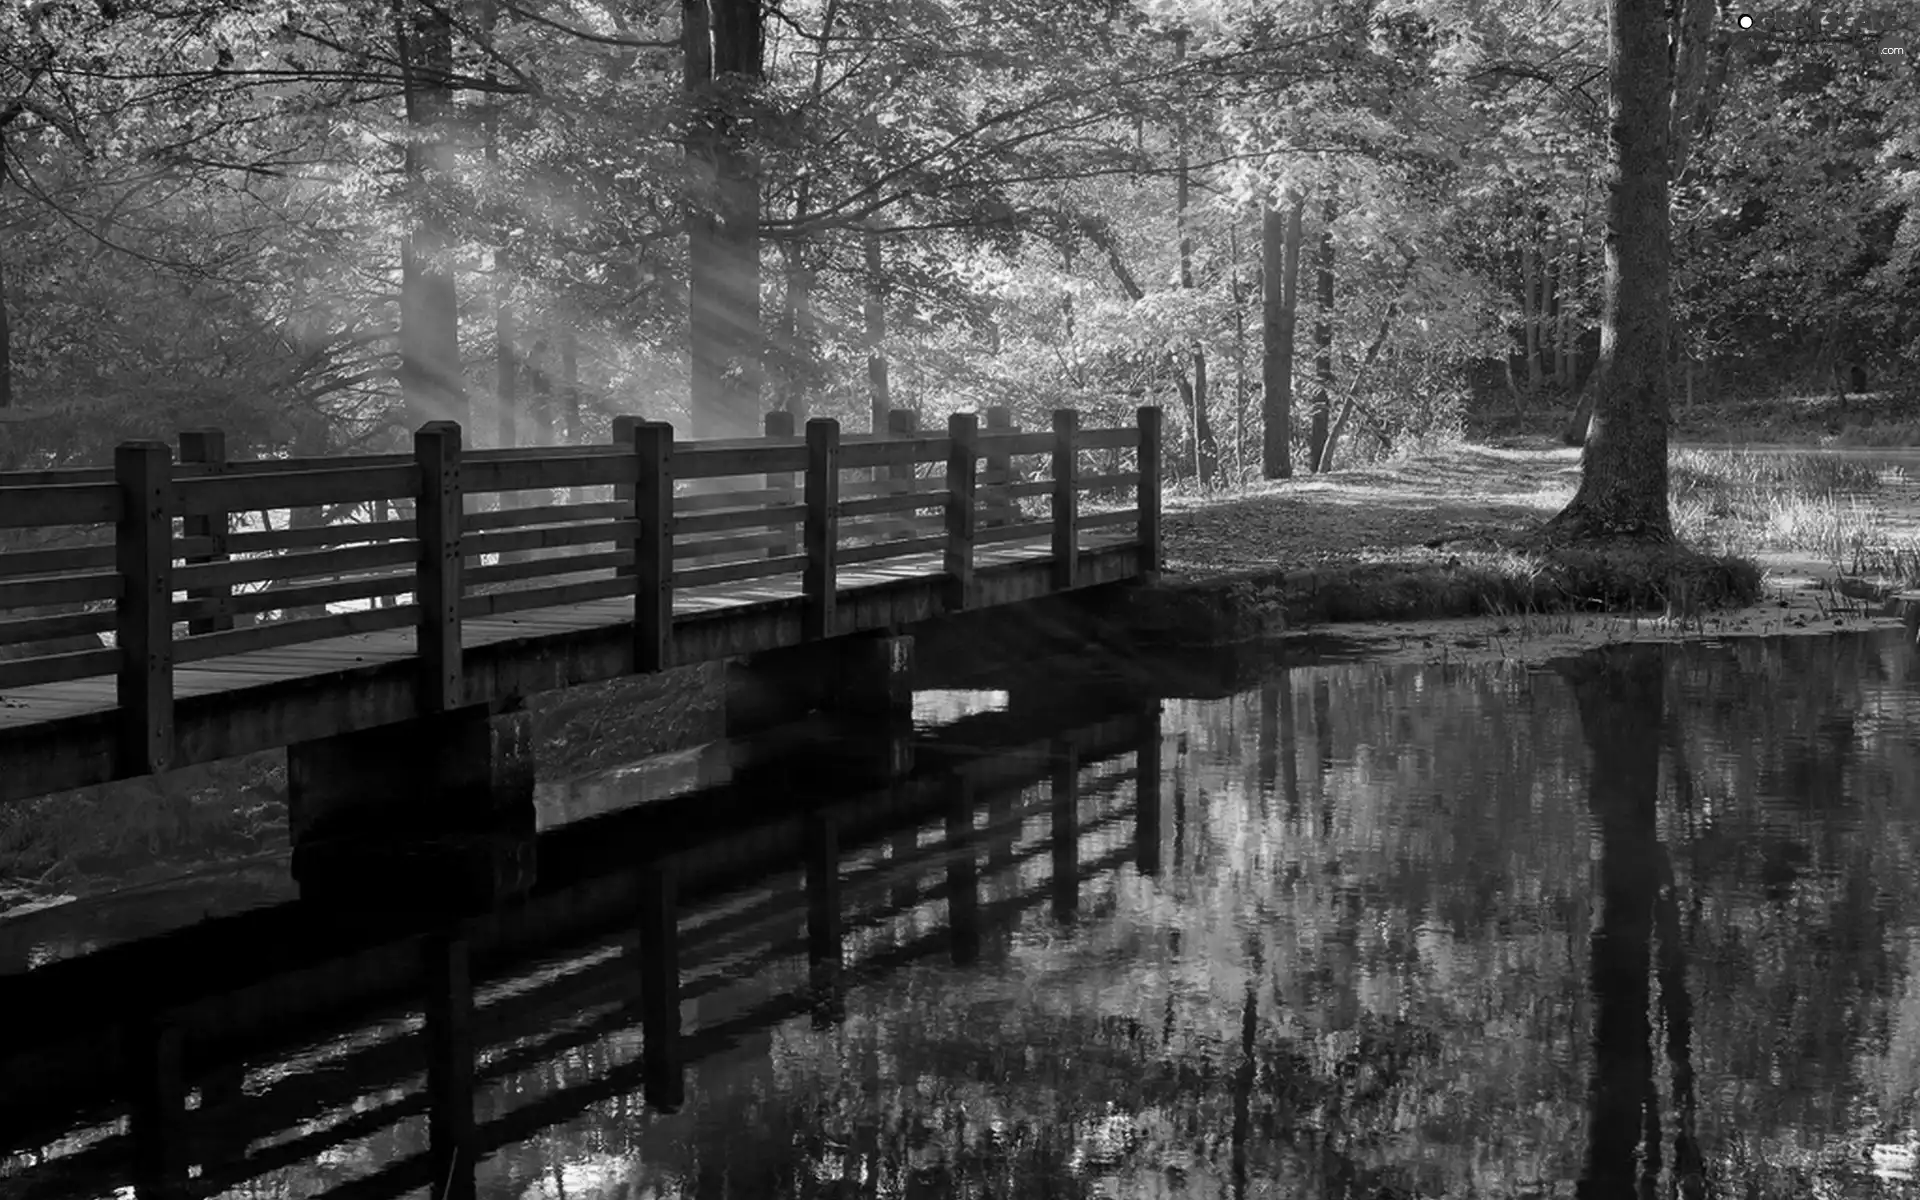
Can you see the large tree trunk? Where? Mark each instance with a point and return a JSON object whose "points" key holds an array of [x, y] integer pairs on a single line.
{"points": [[722, 38], [1323, 337], [429, 316], [1279, 319], [505, 363], [1623, 478]]}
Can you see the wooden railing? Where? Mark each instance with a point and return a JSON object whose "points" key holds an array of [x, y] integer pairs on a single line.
{"points": [[437, 538]]}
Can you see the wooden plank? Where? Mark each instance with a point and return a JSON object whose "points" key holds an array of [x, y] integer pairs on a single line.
{"points": [[56, 476], [876, 551], [619, 532], [56, 668], [753, 568], [707, 460], [1107, 483], [1109, 520], [723, 519], [437, 574], [1066, 498], [860, 455], [548, 597], [207, 449], [897, 502], [999, 468], [656, 462], [61, 504], [1147, 493], [144, 631], [60, 589], [60, 625], [720, 547], [572, 466], [1120, 437], [295, 489], [551, 514], [57, 561], [361, 587], [1015, 533], [1014, 445], [346, 534], [573, 564], [821, 536], [731, 498], [963, 462], [288, 566], [289, 633]]}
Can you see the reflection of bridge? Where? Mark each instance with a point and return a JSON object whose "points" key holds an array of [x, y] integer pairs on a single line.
{"points": [[256, 1043], [461, 608]]}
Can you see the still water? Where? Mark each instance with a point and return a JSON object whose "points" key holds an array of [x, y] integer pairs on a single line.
{"points": [[1639, 923]]}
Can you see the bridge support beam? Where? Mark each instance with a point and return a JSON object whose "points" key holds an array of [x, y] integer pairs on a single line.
{"points": [[863, 675], [436, 812]]}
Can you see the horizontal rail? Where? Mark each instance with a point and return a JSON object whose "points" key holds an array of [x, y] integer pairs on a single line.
{"points": [[548, 514], [60, 504], [585, 467], [893, 452], [692, 460], [501, 603], [1121, 438], [884, 550], [295, 566], [346, 534], [1102, 483], [902, 502], [305, 596], [1019, 532], [1012, 445], [59, 589], [720, 520], [719, 547], [547, 538], [761, 568], [1111, 520], [58, 668], [56, 560], [60, 625], [572, 564], [272, 634], [294, 489]]}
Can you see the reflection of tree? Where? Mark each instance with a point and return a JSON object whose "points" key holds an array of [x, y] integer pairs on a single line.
{"points": [[1620, 702]]}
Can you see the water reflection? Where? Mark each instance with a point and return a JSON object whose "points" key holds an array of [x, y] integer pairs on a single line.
{"points": [[1635, 924]]}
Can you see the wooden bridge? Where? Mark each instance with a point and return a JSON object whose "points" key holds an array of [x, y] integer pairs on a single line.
{"points": [[476, 578]]}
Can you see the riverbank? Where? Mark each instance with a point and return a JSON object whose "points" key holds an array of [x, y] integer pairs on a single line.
{"points": [[1438, 554]]}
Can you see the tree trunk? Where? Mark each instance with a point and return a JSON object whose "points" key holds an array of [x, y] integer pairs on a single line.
{"points": [[1353, 385], [506, 374], [429, 317], [1237, 293], [1563, 334], [6, 348], [1530, 291], [1323, 336], [1279, 318], [722, 39], [879, 395], [1205, 450], [1623, 478], [570, 386]]}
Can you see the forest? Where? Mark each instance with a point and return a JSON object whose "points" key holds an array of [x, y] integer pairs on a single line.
{"points": [[1313, 230]]}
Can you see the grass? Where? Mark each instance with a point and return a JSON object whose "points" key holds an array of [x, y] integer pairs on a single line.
{"points": [[1741, 501]]}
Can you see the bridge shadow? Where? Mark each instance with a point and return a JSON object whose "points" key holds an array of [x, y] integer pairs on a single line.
{"points": [[376, 1051]]}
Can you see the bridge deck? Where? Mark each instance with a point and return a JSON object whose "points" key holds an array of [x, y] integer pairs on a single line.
{"points": [[40, 703]]}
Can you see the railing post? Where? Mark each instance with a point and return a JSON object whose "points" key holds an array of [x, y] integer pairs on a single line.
{"points": [[901, 423], [143, 630], [963, 462], [436, 583], [1066, 498], [623, 427], [1147, 492], [823, 526], [779, 424], [207, 447], [653, 546], [999, 466]]}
